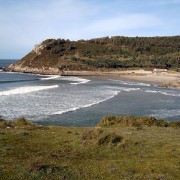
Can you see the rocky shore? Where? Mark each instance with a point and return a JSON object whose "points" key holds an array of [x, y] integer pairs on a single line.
{"points": [[43, 71]]}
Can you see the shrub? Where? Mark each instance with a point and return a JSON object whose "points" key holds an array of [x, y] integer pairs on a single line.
{"points": [[21, 122], [161, 123], [109, 138], [3, 123], [108, 121], [46, 168], [174, 124], [91, 134], [99, 137], [74, 58]]}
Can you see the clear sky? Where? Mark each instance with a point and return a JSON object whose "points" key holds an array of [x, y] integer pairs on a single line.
{"points": [[24, 23]]}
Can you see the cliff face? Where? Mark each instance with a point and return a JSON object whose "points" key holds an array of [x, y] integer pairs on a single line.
{"points": [[56, 55]]}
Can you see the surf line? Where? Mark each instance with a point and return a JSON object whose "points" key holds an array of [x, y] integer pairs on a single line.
{"points": [[26, 89], [87, 105]]}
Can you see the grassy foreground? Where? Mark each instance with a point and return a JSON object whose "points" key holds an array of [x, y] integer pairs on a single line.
{"points": [[118, 148]]}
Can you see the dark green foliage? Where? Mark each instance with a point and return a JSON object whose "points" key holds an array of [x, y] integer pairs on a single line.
{"points": [[143, 43], [107, 53], [103, 63]]}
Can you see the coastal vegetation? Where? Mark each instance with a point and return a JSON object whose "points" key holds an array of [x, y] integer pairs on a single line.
{"points": [[117, 148], [115, 52]]}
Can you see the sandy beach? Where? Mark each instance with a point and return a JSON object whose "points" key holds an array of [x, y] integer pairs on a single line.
{"points": [[164, 79]]}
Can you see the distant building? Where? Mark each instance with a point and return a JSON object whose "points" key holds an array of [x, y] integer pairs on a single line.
{"points": [[159, 71]]}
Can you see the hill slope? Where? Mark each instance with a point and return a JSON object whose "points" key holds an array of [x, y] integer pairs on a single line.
{"points": [[103, 53]]}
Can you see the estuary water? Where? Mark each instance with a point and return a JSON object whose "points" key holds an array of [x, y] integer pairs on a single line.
{"points": [[82, 101]]}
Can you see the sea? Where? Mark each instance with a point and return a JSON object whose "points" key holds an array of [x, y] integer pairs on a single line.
{"points": [[81, 101]]}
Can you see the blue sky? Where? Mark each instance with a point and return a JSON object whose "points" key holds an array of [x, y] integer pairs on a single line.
{"points": [[24, 23]]}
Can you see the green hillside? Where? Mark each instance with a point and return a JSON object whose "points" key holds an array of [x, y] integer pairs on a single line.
{"points": [[105, 53]]}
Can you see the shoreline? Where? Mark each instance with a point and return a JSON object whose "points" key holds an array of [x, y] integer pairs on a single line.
{"points": [[168, 79]]}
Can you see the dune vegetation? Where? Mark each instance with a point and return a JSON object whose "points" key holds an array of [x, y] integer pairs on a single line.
{"points": [[117, 148]]}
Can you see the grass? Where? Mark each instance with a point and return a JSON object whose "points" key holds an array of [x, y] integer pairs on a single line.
{"points": [[113, 151]]}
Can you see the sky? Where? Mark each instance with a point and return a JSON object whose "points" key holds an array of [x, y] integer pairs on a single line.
{"points": [[25, 23]]}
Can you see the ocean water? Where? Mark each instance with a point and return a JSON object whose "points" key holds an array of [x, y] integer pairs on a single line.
{"points": [[82, 101], [6, 62]]}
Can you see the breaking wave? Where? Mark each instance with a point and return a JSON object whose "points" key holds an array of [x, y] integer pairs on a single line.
{"points": [[48, 77], [24, 90], [164, 93], [114, 93], [122, 88], [165, 113], [130, 83], [76, 80]]}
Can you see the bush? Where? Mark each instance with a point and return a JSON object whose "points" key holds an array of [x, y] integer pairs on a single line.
{"points": [[45, 168], [108, 120], [174, 124], [98, 137], [91, 134], [161, 123], [3, 123], [111, 138], [21, 122]]}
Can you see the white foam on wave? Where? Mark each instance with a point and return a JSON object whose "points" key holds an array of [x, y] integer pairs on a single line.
{"points": [[130, 83], [76, 80], [24, 90], [114, 93], [123, 88], [176, 94], [151, 91], [83, 81], [48, 77], [164, 113], [130, 89], [170, 94]]}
